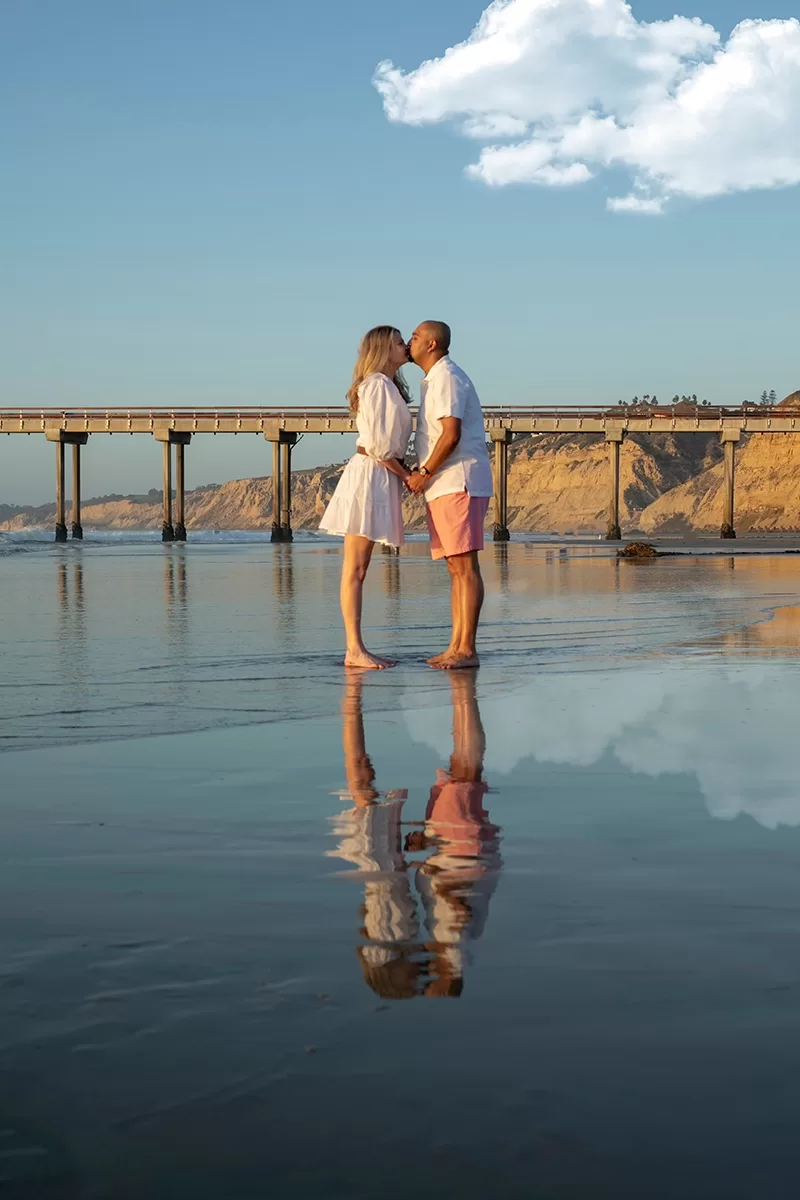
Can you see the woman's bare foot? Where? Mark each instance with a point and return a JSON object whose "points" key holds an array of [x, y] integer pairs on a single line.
{"points": [[459, 662], [366, 661]]}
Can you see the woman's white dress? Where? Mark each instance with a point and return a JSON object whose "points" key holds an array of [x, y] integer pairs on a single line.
{"points": [[369, 499]]}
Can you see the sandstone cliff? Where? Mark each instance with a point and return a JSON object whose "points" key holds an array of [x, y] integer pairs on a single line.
{"points": [[241, 504], [560, 482], [767, 490]]}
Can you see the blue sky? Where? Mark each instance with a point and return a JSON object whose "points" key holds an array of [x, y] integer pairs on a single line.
{"points": [[204, 203]]}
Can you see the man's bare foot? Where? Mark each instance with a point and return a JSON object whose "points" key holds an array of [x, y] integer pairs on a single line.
{"points": [[459, 662], [367, 662], [438, 659]]}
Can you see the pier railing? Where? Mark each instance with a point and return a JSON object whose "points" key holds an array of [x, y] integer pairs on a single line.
{"points": [[282, 426]]}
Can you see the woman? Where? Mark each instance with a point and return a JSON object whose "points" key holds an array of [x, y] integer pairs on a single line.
{"points": [[367, 505], [369, 837]]}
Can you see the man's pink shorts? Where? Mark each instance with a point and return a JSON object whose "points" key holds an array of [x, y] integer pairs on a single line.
{"points": [[455, 523]]}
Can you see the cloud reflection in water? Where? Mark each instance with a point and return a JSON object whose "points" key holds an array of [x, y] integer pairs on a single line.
{"points": [[734, 726]]}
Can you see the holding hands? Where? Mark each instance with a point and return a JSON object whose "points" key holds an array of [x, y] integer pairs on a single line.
{"points": [[417, 482]]}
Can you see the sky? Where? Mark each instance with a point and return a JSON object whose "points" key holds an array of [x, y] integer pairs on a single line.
{"points": [[207, 204]]}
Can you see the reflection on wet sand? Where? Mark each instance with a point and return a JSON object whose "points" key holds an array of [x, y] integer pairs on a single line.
{"points": [[71, 600], [283, 587], [420, 915], [778, 634], [176, 595]]}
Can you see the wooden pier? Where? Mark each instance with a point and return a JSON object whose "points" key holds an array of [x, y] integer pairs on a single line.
{"points": [[282, 427]]}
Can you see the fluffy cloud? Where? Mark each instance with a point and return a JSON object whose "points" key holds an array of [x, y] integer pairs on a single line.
{"points": [[566, 88]]}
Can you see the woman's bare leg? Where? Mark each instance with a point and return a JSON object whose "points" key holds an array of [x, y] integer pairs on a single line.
{"points": [[357, 555]]}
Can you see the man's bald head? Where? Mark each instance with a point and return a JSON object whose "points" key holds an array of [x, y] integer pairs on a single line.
{"points": [[429, 342], [437, 332]]}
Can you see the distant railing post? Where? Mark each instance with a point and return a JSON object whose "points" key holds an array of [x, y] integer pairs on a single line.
{"points": [[502, 439], [614, 438], [729, 439]]}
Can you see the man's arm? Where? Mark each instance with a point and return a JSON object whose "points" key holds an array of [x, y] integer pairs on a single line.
{"points": [[448, 440]]}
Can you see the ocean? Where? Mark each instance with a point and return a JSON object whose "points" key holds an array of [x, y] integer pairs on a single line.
{"points": [[274, 929]]}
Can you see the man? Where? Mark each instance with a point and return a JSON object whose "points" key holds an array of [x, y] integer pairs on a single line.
{"points": [[455, 476]]}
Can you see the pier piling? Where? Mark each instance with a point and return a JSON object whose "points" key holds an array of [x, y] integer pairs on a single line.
{"points": [[62, 438], [77, 528], [180, 439], [61, 525], [614, 439], [180, 493], [282, 443], [502, 439], [729, 439], [287, 442], [276, 492], [167, 530]]}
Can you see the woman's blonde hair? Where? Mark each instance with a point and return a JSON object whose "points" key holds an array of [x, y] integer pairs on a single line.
{"points": [[373, 355]]}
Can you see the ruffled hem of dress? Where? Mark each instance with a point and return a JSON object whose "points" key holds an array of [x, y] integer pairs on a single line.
{"points": [[379, 541]]}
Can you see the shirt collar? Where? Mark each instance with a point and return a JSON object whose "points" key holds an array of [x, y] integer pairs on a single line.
{"points": [[436, 365]]}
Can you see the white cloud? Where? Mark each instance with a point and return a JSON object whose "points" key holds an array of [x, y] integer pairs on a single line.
{"points": [[582, 85], [654, 205]]}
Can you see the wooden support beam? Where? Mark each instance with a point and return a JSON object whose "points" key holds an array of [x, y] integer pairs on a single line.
{"points": [[167, 530], [77, 528]]}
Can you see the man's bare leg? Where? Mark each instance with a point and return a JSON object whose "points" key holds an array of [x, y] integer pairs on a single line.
{"points": [[455, 608], [357, 763], [469, 738], [470, 590], [357, 555]]}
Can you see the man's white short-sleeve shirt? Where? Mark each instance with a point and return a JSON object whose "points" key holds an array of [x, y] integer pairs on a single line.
{"points": [[446, 391]]}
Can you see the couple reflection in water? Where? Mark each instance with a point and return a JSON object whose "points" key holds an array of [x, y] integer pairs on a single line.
{"points": [[427, 884]]}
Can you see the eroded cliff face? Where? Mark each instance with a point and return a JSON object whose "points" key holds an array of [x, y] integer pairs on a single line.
{"points": [[669, 483], [767, 492], [241, 504], [767, 489], [561, 482]]}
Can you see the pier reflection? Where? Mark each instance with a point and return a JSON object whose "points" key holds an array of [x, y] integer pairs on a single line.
{"points": [[71, 606], [426, 897], [283, 584], [176, 596]]}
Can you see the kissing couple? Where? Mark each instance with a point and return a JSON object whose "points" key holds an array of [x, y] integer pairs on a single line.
{"points": [[453, 475]]}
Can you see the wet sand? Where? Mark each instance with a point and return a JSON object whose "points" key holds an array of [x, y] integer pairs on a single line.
{"points": [[270, 931]]}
